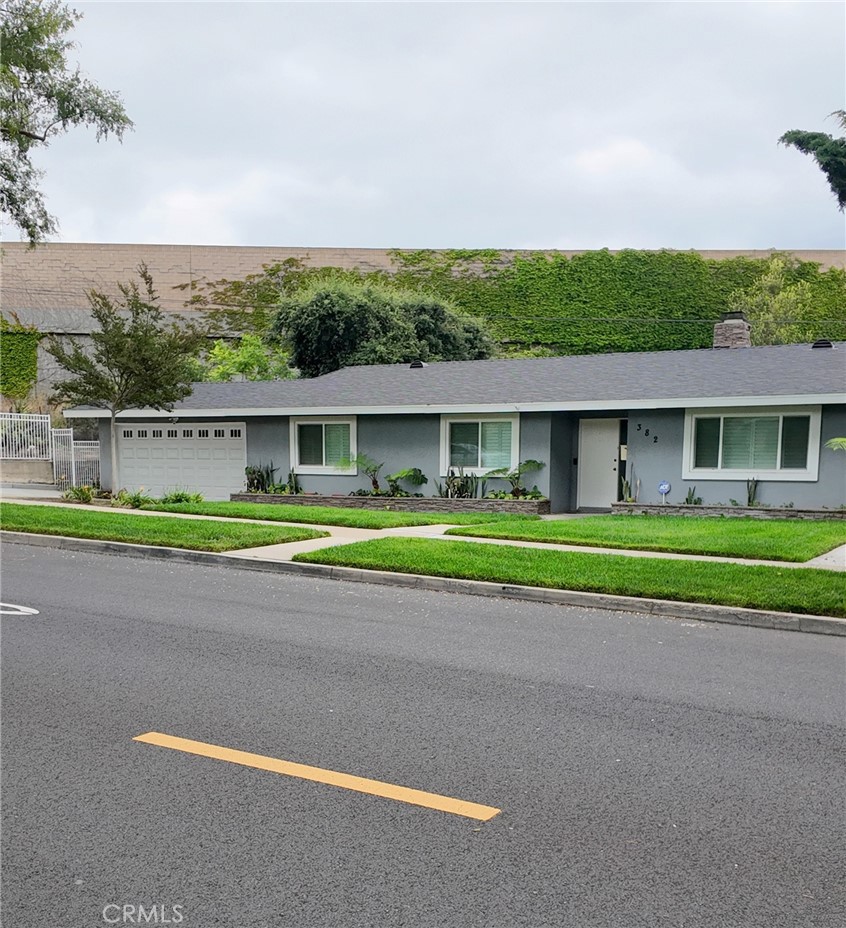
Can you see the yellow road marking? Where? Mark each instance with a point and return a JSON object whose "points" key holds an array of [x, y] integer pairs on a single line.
{"points": [[416, 797]]}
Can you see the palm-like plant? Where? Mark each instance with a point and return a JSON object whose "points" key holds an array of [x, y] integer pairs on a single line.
{"points": [[515, 475]]}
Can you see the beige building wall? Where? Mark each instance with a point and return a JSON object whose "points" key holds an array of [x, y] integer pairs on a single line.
{"points": [[56, 276]]}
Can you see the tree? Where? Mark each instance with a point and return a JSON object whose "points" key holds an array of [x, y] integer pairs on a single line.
{"points": [[248, 305], [828, 152], [137, 360], [40, 97], [336, 323], [778, 310], [250, 358]]}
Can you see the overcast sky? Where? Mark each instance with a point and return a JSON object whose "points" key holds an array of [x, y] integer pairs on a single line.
{"points": [[456, 125]]}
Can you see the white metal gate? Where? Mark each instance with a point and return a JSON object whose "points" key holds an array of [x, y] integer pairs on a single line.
{"points": [[63, 464], [75, 463], [86, 463]]}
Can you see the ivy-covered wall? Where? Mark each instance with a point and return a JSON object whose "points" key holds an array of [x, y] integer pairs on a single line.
{"points": [[602, 301], [18, 359]]}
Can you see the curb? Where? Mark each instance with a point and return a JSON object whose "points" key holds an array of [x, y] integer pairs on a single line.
{"points": [[702, 612]]}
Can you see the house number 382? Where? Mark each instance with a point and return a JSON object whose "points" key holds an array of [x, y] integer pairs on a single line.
{"points": [[640, 428]]}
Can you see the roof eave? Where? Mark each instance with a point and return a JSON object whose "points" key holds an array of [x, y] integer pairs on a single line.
{"points": [[699, 402]]}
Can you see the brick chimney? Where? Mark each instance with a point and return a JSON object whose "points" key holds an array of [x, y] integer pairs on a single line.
{"points": [[732, 331]]}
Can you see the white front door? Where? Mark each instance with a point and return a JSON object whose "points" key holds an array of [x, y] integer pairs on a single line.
{"points": [[599, 454]]}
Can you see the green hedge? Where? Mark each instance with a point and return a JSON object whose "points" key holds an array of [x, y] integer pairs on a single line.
{"points": [[598, 301]]}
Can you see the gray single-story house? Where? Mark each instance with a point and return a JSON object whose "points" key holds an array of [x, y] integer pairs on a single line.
{"points": [[710, 418]]}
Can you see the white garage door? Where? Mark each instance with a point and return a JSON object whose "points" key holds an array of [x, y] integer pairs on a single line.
{"points": [[209, 458]]}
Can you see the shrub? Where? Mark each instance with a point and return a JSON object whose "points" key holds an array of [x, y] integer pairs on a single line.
{"points": [[181, 495], [293, 487], [260, 477], [412, 475], [79, 494], [515, 477], [134, 500], [459, 485]]}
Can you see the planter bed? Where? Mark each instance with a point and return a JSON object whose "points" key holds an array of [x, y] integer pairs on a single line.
{"points": [[754, 512], [401, 503]]}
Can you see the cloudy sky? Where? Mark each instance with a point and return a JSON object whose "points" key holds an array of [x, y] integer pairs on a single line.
{"points": [[461, 125]]}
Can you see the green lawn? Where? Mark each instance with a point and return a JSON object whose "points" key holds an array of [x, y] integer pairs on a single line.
{"points": [[783, 589], [762, 539], [110, 525], [334, 515]]}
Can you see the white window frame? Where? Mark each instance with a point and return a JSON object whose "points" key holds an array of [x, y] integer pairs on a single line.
{"points": [[446, 421], [809, 473], [294, 444]]}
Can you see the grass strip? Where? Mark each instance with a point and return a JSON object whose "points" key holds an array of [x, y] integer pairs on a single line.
{"points": [[194, 534], [783, 589], [762, 539], [333, 515]]}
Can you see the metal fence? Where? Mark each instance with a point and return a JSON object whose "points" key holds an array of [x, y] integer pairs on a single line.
{"points": [[25, 437], [86, 463], [75, 463], [63, 463]]}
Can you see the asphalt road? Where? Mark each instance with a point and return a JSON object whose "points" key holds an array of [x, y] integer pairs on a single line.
{"points": [[650, 772]]}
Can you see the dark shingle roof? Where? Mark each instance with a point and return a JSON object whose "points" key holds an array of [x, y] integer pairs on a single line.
{"points": [[615, 380]]}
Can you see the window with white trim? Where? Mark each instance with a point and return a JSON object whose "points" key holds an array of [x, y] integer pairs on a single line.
{"points": [[321, 446], [768, 443], [478, 444]]}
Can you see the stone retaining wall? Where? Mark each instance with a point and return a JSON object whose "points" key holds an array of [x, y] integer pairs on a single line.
{"points": [[756, 512], [402, 503]]}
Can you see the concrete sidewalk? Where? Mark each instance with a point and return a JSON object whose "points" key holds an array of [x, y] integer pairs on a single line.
{"points": [[343, 535]]}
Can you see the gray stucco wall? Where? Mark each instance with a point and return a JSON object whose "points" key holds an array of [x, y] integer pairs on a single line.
{"points": [[104, 436], [653, 462], [535, 442], [400, 441], [267, 443], [562, 471]]}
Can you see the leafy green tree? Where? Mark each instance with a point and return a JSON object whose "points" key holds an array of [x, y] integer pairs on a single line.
{"points": [[136, 361], [778, 309], [828, 152], [250, 358], [248, 305], [337, 323], [40, 97]]}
